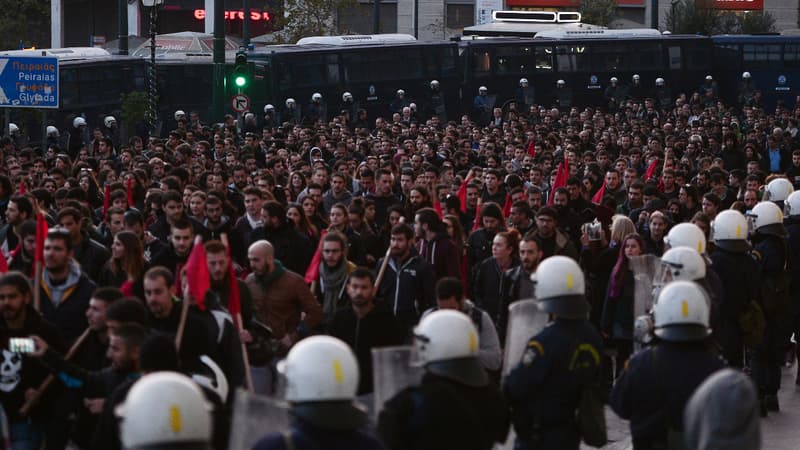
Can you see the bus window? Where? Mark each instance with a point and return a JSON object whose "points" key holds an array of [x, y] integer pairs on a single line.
{"points": [[544, 59], [674, 58], [572, 58], [513, 60], [481, 62], [306, 71], [449, 62], [761, 55], [609, 58], [727, 56], [644, 56], [697, 58], [332, 65], [791, 55]]}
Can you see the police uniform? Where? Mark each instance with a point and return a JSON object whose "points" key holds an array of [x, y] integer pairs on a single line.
{"points": [[544, 389], [656, 384], [304, 435]]}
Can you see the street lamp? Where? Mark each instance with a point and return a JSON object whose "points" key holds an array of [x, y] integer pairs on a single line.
{"points": [[152, 91]]}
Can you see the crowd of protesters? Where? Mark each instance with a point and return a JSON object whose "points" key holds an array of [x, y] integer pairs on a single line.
{"points": [[291, 211]]}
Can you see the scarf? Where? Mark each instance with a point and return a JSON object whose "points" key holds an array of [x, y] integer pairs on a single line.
{"points": [[331, 282], [277, 271]]}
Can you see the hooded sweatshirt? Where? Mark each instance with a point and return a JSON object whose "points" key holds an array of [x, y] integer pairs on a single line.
{"points": [[723, 413]]}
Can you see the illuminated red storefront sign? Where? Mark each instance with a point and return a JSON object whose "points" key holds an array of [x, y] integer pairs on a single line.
{"points": [[741, 5], [255, 16]]}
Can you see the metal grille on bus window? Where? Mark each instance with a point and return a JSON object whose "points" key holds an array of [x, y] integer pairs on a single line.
{"points": [[791, 55], [544, 59], [481, 62], [761, 53]]}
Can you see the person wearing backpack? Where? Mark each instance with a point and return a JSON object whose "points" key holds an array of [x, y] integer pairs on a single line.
{"points": [[555, 390], [653, 389]]}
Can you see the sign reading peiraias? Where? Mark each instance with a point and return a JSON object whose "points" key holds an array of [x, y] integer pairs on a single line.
{"points": [[28, 82]]}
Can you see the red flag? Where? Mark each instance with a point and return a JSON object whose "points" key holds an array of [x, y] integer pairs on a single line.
{"points": [[507, 206], [129, 191], [462, 193], [197, 276], [532, 149], [597, 199], [22, 188], [234, 297], [477, 224], [438, 208], [3, 263], [41, 234], [560, 181], [106, 200], [651, 170], [312, 273]]}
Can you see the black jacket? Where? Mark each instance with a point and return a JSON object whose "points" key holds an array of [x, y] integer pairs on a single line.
{"points": [[408, 288], [378, 328], [291, 247], [22, 372], [69, 316], [91, 255]]}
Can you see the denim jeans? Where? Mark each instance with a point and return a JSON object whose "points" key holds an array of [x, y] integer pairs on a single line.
{"points": [[26, 436]]}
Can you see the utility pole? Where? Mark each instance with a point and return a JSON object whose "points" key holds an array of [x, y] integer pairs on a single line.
{"points": [[246, 23], [122, 21], [376, 17], [218, 93]]}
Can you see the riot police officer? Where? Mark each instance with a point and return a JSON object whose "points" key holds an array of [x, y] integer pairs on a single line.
{"points": [[322, 378], [746, 89], [166, 410], [636, 90], [614, 94], [349, 105], [737, 270], [769, 240], [778, 190], [399, 102], [291, 113], [436, 103], [544, 388], [792, 223], [317, 109], [481, 106], [691, 236], [662, 94], [524, 95], [455, 406], [563, 97], [656, 384], [270, 118]]}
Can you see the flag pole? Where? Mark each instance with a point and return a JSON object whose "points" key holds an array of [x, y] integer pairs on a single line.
{"points": [[37, 286], [248, 376]]}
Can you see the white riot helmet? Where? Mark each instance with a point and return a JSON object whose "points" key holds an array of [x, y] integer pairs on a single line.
{"points": [[766, 218], [165, 408], [560, 83], [52, 131], [560, 288], [614, 79], [316, 96], [78, 122], [483, 90], [523, 82], [179, 114], [290, 102], [636, 77], [434, 84], [778, 190], [746, 75], [729, 231], [13, 129], [346, 97], [680, 264], [791, 207], [109, 121], [659, 81], [413, 106], [320, 368], [709, 78], [401, 93], [447, 345], [321, 382], [682, 312], [686, 235], [268, 109]]}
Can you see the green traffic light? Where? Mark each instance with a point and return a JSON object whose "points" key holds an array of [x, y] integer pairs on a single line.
{"points": [[240, 80]]}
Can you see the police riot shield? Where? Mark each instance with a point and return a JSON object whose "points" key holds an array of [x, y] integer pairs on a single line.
{"points": [[524, 322], [393, 370], [644, 269], [255, 416]]}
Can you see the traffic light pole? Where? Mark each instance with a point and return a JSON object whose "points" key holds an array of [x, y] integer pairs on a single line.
{"points": [[218, 93]]}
